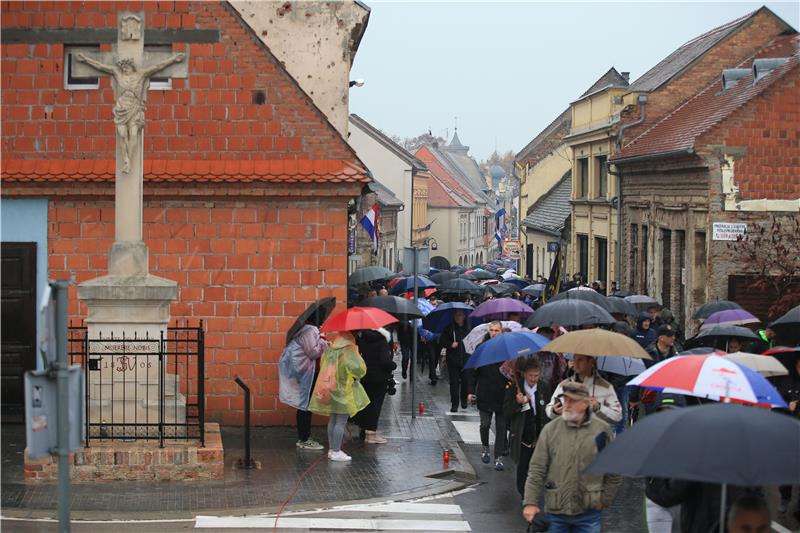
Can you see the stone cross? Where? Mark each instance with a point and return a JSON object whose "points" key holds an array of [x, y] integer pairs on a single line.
{"points": [[130, 69]]}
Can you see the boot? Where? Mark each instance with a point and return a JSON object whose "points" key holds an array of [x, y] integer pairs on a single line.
{"points": [[374, 438]]}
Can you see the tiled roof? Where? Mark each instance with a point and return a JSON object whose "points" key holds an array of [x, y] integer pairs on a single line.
{"points": [[441, 196], [550, 211], [447, 172], [385, 196], [673, 64], [386, 141], [678, 131], [242, 171], [611, 78], [542, 141]]}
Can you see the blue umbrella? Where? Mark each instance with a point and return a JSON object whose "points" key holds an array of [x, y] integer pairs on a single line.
{"points": [[442, 316], [506, 346], [407, 284], [521, 283]]}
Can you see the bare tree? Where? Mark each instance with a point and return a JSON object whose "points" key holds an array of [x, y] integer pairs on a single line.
{"points": [[412, 144]]}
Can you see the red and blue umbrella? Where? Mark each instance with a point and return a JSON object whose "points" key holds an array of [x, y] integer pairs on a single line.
{"points": [[710, 376], [506, 346]]}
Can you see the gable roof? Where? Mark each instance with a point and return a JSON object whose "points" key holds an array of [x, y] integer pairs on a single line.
{"points": [[439, 195], [385, 196], [550, 211], [680, 59], [611, 78], [541, 142], [388, 143], [451, 174], [679, 130]]}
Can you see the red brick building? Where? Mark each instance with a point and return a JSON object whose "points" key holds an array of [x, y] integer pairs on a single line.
{"points": [[246, 182], [727, 153]]}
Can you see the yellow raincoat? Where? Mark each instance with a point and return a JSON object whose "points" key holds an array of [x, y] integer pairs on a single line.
{"points": [[338, 389]]}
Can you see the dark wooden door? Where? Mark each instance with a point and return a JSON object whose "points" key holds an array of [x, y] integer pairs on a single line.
{"points": [[18, 340]]}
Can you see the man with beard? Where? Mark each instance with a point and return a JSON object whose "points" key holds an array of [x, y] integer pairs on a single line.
{"points": [[573, 499]]}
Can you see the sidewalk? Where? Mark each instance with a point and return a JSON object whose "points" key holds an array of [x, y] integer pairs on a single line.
{"points": [[409, 465]]}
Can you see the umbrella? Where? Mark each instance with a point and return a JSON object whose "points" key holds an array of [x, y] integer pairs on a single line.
{"points": [[441, 277], [706, 310], [506, 346], [621, 306], [476, 336], [787, 356], [729, 317], [703, 350], [482, 274], [588, 296], [624, 366], [409, 295], [366, 274], [569, 313], [358, 318], [518, 283], [534, 290], [791, 318], [407, 284], [709, 376], [766, 366], [641, 301], [467, 276], [726, 331], [400, 308], [500, 308], [715, 443], [433, 270], [597, 342], [316, 313], [460, 286], [442, 316], [788, 326], [499, 289], [621, 294]]}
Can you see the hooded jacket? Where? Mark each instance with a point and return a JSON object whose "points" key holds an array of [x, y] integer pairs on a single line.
{"points": [[377, 354], [338, 389], [645, 337]]}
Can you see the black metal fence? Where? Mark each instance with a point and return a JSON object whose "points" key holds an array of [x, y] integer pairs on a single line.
{"points": [[143, 388]]}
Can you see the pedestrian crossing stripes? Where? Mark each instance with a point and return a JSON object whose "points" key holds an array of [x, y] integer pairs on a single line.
{"points": [[388, 516], [469, 431]]}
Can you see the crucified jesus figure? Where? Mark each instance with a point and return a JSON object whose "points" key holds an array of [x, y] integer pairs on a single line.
{"points": [[130, 89]]}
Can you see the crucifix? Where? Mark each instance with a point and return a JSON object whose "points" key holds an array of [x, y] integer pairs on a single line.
{"points": [[130, 68]]}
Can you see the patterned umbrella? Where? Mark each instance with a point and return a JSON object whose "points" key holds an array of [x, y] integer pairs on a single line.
{"points": [[730, 317]]}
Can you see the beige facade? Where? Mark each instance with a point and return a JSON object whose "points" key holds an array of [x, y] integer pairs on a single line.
{"points": [[317, 42], [592, 140], [419, 214], [539, 178]]}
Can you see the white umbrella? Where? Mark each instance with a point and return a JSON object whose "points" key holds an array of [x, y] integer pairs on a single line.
{"points": [[581, 288], [763, 364], [475, 337]]}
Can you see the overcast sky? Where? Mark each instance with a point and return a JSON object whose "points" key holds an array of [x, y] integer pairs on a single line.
{"points": [[506, 70]]}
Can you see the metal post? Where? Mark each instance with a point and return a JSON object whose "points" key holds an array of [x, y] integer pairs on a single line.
{"points": [[248, 461], [414, 343], [60, 289]]}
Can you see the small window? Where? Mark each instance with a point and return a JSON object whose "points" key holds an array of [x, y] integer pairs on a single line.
{"points": [[583, 177], [602, 176], [71, 82], [159, 83]]}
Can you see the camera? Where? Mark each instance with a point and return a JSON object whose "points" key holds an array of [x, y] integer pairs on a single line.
{"points": [[391, 387]]}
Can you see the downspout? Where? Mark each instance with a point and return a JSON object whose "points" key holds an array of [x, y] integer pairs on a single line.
{"points": [[618, 248]]}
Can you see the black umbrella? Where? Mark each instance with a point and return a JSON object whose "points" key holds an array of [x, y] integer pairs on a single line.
{"points": [[371, 273], [441, 277], [569, 313], [787, 355], [589, 296], [400, 308], [726, 331], [706, 310], [788, 326], [460, 286], [315, 313], [482, 274], [468, 276], [499, 289], [621, 306], [534, 290]]}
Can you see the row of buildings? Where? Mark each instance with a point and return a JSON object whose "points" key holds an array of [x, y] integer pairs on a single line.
{"points": [[645, 184]]}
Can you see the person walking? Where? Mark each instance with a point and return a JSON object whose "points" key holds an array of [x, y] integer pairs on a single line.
{"points": [[338, 392], [452, 341], [573, 499], [376, 351], [644, 335], [603, 399], [297, 370], [405, 338], [523, 406]]}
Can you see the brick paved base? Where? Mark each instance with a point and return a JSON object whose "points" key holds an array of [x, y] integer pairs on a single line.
{"points": [[114, 460]]}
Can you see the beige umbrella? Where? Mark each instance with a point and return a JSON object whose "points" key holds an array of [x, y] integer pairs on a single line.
{"points": [[763, 364], [597, 343]]}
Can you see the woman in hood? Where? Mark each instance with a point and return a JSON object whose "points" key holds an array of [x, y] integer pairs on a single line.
{"points": [[644, 335], [376, 350]]}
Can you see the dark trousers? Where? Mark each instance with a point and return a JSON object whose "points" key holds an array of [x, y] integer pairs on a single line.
{"points": [[499, 431], [458, 386], [367, 418], [524, 463], [433, 360], [406, 351], [303, 425]]}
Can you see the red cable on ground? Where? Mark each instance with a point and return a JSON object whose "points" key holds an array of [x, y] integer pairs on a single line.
{"points": [[294, 491]]}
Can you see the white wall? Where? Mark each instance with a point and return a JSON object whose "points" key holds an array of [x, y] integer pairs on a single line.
{"points": [[25, 220]]}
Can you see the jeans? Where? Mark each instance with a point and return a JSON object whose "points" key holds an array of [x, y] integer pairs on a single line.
{"points": [[587, 522], [336, 425], [624, 394], [499, 431]]}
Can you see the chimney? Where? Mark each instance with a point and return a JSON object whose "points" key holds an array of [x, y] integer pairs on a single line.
{"points": [[762, 67], [731, 75], [627, 76]]}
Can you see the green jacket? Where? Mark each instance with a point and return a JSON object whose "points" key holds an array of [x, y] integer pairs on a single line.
{"points": [[560, 457]]}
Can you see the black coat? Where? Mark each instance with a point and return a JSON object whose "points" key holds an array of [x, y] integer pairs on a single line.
{"points": [[520, 421], [377, 354], [456, 357], [490, 386]]}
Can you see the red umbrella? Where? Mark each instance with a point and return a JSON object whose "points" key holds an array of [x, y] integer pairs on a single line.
{"points": [[426, 292], [358, 318]]}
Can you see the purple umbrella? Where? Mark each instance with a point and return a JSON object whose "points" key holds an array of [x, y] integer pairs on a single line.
{"points": [[730, 317], [500, 308]]}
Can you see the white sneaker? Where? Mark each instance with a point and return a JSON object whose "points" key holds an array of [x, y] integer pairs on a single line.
{"points": [[309, 444], [339, 456]]}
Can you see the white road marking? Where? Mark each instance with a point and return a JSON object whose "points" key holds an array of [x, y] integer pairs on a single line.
{"points": [[145, 521], [368, 524], [470, 432], [388, 507]]}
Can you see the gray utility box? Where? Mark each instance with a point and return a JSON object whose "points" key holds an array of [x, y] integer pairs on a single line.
{"points": [[41, 411]]}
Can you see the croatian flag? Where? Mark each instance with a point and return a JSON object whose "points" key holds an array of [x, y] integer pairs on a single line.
{"points": [[370, 223], [499, 237]]}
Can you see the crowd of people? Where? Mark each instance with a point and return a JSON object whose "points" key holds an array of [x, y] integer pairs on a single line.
{"points": [[553, 413]]}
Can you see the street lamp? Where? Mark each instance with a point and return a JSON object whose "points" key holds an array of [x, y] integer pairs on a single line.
{"points": [[424, 244]]}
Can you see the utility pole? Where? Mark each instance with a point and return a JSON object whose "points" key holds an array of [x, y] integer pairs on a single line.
{"points": [[61, 367]]}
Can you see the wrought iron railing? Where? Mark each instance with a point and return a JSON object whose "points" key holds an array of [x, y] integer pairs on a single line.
{"points": [[143, 388]]}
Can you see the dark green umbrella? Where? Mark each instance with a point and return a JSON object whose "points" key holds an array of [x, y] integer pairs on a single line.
{"points": [[367, 274], [316, 313], [400, 308]]}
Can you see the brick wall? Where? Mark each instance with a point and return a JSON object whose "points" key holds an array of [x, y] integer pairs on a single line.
{"points": [[212, 114]]}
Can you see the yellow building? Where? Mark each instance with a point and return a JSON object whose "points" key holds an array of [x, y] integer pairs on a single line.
{"points": [[419, 215], [594, 216]]}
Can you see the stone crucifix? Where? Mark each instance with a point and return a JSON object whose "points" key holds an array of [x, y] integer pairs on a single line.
{"points": [[130, 68]]}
